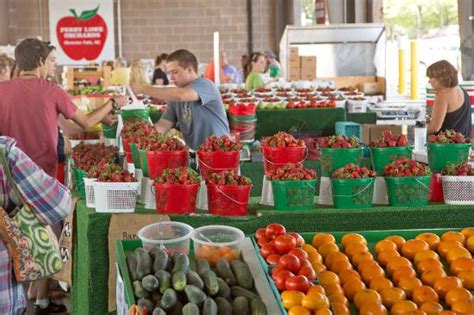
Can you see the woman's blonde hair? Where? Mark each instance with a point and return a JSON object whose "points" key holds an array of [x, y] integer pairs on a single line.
{"points": [[444, 72], [138, 74]]}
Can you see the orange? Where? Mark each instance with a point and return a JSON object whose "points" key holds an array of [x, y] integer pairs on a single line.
{"points": [[308, 248], [347, 274], [418, 312], [443, 285], [354, 248], [431, 276], [397, 240], [315, 257], [358, 257], [409, 284], [370, 272], [372, 308], [447, 313], [467, 278], [431, 308], [458, 294], [291, 298], [392, 296], [367, 263], [340, 309], [457, 252], [327, 248], [404, 307], [426, 254], [424, 294], [411, 247], [430, 238], [315, 301], [326, 277], [353, 238], [396, 262], [323, 311], [352, 287], [333, 257], [338, 299], [299, 310], [462, 264], [463, 307], [367, 295], [316, 289], [467, 232], [384, 257], [428, 264], [384, 245], [403, 271], [333, 288], [453, 236], [470, 243], [445, 246], [318, 267], [322, 238], [340, 266], [380, 283]]}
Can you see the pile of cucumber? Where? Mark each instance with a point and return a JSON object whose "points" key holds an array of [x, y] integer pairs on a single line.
{"points": [[168, 285]]}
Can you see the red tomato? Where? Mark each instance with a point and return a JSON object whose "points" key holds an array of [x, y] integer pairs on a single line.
{"points": [[276, 270], [298, 252], [297, 283], [266, 250], [281, 277], [284, 243], [262, 241], [305, 262], [299, 239], [308, 272], [274, 229], [290, 262], [260, 233], [273, 259]]}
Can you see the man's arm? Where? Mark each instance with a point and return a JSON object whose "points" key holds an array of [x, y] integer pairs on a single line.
{"points": [[163, 125], [88, 120], [174, 94]]}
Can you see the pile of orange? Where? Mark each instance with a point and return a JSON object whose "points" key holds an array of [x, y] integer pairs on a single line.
{"points": [[429, 274], [213, 253]]}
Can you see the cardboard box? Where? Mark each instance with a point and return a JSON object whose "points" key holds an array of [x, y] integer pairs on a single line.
{"points": [[308, 75], [371, 132], [294, 74], [294, 51], [294, 59], [372, 88], [308, 62]]}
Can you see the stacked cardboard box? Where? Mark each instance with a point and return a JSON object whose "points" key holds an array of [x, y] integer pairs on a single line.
{"points": [[308, 68], [294, 73], [301, 67]]}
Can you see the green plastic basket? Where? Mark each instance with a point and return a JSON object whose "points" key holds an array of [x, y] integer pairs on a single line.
{"points": [[332, 159], [142, 113], [352, 193], [440, 154], [135, 156], [294, 195], [110, 131], [383, 156], [143, 162], [408, 191], [79, 180]]}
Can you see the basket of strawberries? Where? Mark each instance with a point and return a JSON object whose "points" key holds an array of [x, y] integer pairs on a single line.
{"points": [[228, 194], [281, 148], [218, 154], [130, 127], [138, 140], [408, 182], [293, 187], [458, 184], [388, 149], [165, 152], [90, 177], [337, 152], [447, 147], [352, 186], [85, 137], [176, 191]]}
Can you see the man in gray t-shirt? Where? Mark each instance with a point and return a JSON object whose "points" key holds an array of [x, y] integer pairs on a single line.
{"points": [[194, 105]]}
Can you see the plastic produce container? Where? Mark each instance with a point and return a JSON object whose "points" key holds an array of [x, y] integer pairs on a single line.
{"points": [[173, 236]]}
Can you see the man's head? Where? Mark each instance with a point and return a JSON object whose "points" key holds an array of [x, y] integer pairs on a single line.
{"points": [[51, 60], [182, 66], [31, 54], [270, 56], [6, 64], [120, 63]]}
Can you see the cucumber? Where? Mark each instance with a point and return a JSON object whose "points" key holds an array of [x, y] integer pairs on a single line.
{"points": [[190, 309], [168, 300], [242, 274], [132, 266], [210, 307], [210, 282], [257, 307], [143, 262], [165, 280], [194, 294], [138, 289], [156, 297], [224, 290], [202, 266], [237, 291], [180, 262], [240, 306], [225, 272], [178, 280], [193, 278], [145, 303], [150, 283], [223, 306], [160, 259], [158, 311]]}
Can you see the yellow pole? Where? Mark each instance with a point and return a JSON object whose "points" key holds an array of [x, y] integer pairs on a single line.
{"points": [[402, 80], [414, 90]]}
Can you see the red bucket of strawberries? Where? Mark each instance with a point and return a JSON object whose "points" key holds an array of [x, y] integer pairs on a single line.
{"points": [[163, 153], [228, 194], [280, 149], [131, 129], [218, 154]]}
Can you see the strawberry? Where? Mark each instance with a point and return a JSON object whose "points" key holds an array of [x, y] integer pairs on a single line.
{"points": [[340, 141], [352, 171], [292, 172], [404, 167], [448, 136], [229, 178], [463, 169], [181, 176]]}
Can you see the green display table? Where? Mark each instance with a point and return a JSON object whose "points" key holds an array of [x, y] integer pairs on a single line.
{"points": [[362, 118]]}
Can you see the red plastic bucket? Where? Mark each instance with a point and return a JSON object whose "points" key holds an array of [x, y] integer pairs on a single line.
{"points": [[217, 162], [127, 149], [436, 188], [274, 158], [241, 111], [228, 200], [176, 198], [158, 161]]}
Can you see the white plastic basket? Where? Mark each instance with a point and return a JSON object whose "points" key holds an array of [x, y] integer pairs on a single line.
{"points": [[76, 142], [458, 190], [89, 188], [111, 141], [341, 104], [115, 197], [356, 106]]}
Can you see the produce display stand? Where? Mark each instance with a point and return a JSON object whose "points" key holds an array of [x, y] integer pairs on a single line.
{"points": [[73, 74]]}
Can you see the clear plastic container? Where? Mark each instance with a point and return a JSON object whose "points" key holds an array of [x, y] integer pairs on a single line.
{"points": [[170, 235], [213, 242]]}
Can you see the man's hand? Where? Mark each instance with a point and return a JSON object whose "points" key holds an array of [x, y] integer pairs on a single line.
{"points": [[121, 101], [110, 119]]}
